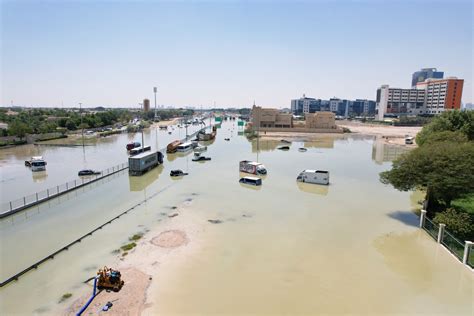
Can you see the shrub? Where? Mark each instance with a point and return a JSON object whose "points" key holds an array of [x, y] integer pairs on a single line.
{"points": [[460, 224]]}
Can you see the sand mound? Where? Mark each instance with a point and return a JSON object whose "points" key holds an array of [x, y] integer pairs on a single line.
{"points": [[170, 239], [129, 300]]}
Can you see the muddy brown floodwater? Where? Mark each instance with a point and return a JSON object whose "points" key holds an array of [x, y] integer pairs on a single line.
{"points": [[352, 247]]}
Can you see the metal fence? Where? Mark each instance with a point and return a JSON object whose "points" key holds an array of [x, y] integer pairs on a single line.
{"points": [[41, 196], [470, 258], [455, 246], [431, 228], [462, 250]]}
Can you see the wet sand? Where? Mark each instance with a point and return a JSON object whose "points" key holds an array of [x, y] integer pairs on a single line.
{"points": [[141, 265], [394, 135]]}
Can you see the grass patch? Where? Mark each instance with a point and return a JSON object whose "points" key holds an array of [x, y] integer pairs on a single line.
{"points": [[116, 251], [136, 237], [129, 246], [65, 297], [124, 254]]}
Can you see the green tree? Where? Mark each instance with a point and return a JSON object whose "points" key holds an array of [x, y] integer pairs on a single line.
{"points": [[71, 125], [18, 128], [444, 169], [461, 121]]}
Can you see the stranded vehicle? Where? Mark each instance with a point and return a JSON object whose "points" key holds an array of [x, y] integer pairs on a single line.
{"points": [[252, 167], [251, 181], [314, 176]]}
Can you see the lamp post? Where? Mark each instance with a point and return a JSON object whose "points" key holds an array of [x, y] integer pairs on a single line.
{"points": [[82, 126], [155, 89], [143, 139]]}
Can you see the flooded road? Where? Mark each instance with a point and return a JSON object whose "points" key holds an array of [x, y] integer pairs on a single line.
{"points": [[352, 247]]}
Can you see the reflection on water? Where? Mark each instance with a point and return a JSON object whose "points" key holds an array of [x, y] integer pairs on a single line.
{"points": [[39, 176], [326, 142], [383, 152], [252, 187], [313, 188], [139, 183]]}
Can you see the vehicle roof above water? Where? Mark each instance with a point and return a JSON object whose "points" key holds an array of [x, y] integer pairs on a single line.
{"points": [[185, 144], [315, 171], [144, 154], [251, 162], [37, 158], [251, 178]]}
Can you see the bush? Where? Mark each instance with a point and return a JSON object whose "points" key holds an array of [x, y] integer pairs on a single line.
{"points": [[346, 130], [464, 204], [460, 224]]}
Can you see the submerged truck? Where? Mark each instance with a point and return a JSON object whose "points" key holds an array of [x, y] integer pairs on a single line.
{"points": [[141, 163], [173, 147], [252, 167], [314, 176]]}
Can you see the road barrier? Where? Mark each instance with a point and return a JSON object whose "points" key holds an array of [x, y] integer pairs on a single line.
{"points": [[25, 202]]}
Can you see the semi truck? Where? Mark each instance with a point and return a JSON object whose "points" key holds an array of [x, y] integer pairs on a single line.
{"points": [[252, 167], [314, 176], [173, 147], [141, 163]]}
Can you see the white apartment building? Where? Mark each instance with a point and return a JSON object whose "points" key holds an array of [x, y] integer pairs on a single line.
{"points": [[396, 101]]}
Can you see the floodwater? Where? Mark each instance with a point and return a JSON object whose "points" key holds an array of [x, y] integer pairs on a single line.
{"points": [[352, 247]]}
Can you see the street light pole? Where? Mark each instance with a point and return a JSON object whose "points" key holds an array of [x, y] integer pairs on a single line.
{"points": [[155, 89], [143, 139], [82, 126]]}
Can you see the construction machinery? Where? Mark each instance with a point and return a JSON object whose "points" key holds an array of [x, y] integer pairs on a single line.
{"points": [[109, 279]]}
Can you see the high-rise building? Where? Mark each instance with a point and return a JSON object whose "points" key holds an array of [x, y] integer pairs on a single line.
{"points": [[146, 105], [442, 94], [425, 73]]}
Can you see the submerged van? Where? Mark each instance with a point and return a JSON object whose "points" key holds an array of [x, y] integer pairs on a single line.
{"points": [[251, 180], [314, 176]]}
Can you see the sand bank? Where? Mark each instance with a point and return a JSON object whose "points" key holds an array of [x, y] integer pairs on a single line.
{"points": [[174, 236], [394, 135]]}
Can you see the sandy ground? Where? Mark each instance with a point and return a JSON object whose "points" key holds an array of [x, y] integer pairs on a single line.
{"points": [[175, 236], [166, 123], [394, 135]]}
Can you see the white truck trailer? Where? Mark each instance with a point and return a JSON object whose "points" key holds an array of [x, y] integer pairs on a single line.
{"points": [[314, 176], [141, 163], [252, 167]]}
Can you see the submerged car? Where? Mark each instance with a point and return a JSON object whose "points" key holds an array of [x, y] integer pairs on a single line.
{"points": [[201, 158], [178, 173], [88, 172]]}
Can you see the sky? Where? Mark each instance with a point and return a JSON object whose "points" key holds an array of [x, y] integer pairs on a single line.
{"points": [[112, 53]]}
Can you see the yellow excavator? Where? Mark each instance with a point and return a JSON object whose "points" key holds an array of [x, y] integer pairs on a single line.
{"points": [[109, 279]]}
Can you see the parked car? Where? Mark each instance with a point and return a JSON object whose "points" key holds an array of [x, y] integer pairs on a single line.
{"points": [[88, 172]]}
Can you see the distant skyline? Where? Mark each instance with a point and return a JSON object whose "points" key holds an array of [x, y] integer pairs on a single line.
{"points": [[112, 53]]}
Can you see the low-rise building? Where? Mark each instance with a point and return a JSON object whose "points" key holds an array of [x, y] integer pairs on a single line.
{"points": [[268, 119], [320, 120]]}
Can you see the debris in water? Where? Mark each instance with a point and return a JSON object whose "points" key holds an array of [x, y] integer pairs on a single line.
{"points": [[214, 221], [173, 215]]}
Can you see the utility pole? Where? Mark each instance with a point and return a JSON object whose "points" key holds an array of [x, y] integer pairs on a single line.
{"points": [[143, 139], [155, 89], [82, 126]]}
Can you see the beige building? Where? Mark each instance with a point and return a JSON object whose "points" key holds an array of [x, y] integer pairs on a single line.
{"points": [[318, 120], [267, 119]]}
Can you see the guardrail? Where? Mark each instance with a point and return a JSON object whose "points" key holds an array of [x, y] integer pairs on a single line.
{"points": [[464, 252], [20, 204], [12, 207], [51, 256]]}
